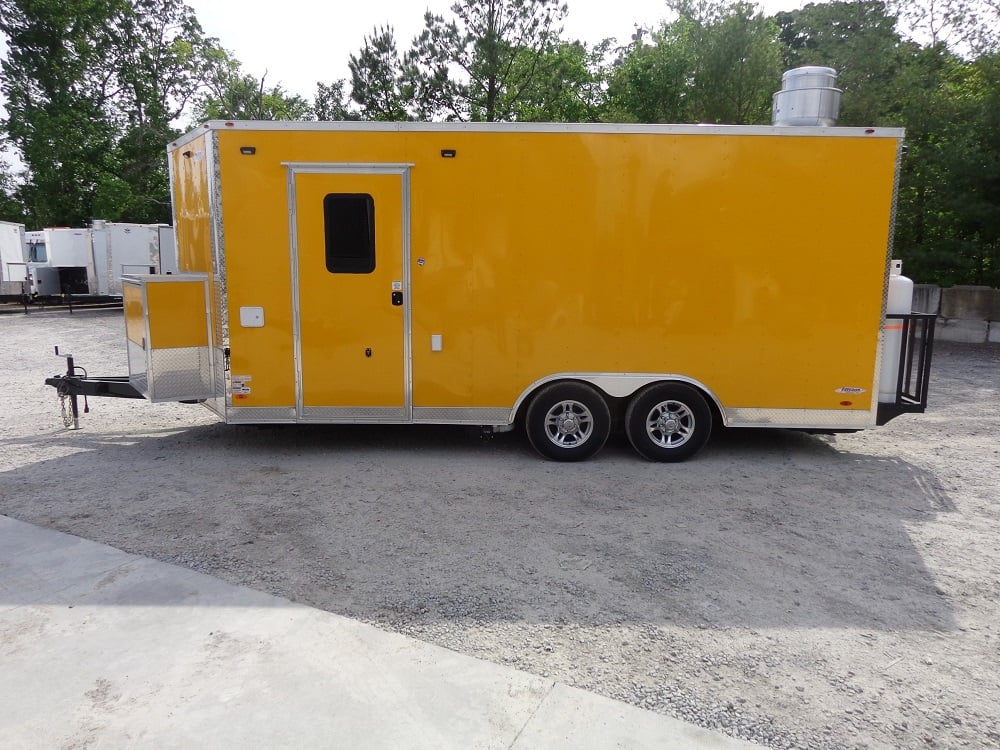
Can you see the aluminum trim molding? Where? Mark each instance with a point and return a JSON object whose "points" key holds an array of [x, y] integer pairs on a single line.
{"points": [[260, 415], [219, 316], [351, 168], [890, 241], [548, 127], [171, 181], [217, 406], [146, 348], [351, 414], [210, 334], [166, 279], [219, 388], [820, 419], [138, 367], [192, 135], [346, 167], [293, 253], [461, 415], [404, 191]]}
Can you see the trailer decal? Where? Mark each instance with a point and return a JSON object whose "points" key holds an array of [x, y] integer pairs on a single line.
{"points": [[239, 385]]}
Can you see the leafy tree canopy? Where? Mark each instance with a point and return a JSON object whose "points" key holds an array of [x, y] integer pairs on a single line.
{"points": [[92, 89]]}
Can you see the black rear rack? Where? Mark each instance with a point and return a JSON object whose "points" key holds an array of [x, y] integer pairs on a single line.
{"points": [[914, 368]]}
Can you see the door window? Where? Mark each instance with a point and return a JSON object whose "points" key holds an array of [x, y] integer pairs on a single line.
{"points": [[349, 220]]}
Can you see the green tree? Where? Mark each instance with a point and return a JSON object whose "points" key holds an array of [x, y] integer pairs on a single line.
{"points": [[238, 96], [493, 46], [717, 62], [162, 56], [967, 27], [859, 39], [949, 226], [567, 84], [92, 87], [332, 103], [651, 81], [11, 206], [55, 82], [737, 61], [377, 78]]}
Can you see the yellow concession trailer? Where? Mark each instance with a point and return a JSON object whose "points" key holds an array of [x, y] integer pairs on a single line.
{"points": [[573, 279]]}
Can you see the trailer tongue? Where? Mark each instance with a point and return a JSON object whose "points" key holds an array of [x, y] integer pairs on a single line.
{"points": [[76, 383]]}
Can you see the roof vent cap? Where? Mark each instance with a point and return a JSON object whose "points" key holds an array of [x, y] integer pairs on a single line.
{"points": [[808, 97]]}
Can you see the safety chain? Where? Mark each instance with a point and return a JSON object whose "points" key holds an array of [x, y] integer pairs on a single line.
{"points": [[67, 417], [67, 414]]}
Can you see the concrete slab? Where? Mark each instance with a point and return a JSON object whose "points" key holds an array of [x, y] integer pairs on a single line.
{"points": [[926, 298], [102, 648], [970, 302], [962, 331], [570, 718]]}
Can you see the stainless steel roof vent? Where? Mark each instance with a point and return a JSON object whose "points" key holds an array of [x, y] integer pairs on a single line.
{"points": [[807, 97]]}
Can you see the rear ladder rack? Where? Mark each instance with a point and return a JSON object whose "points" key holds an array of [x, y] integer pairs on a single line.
{"points": [[914, 367]]}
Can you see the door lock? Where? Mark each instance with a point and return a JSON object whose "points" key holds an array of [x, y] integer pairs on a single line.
{"points": [[397, 299]]}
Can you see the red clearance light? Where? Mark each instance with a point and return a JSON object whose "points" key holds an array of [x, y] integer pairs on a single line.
{"points": [[869, 131], [846, 403]]}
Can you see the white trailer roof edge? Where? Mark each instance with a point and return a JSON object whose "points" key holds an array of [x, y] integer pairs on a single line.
{"points": [[533, 127]]}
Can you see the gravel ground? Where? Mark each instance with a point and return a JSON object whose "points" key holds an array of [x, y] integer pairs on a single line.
{"points": [[799, 591]]}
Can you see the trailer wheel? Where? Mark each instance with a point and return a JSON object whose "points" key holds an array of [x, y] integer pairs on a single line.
{"points": [[668, 422], [568, 421]]}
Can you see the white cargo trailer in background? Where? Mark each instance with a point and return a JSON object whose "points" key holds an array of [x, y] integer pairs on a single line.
{"points": [[42, 279], [61, 261], [13, 269], [91, 262], [126, 249], [168, 249]]}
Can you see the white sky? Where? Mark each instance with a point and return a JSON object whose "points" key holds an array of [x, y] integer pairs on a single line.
{"points": [[300, 42]]}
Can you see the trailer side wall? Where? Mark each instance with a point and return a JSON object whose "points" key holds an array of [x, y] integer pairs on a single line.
{"points": [[719, 257]]}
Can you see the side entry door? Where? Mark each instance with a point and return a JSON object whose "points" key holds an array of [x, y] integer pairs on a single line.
{"points": [[352, 301]]}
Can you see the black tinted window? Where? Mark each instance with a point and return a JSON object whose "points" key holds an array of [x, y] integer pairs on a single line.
{"points": [[350, 232]]}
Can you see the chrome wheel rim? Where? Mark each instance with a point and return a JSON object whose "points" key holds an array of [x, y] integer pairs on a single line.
{"points": [[670, 424], [569, 424]]}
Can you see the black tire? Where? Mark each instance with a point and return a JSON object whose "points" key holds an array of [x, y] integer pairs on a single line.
{"points": [[568, 421], [668, 422]]}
